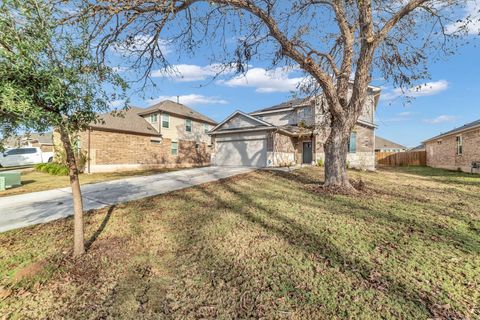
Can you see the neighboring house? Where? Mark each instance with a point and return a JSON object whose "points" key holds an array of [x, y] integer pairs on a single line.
{"points": [[44, 141], [384, 145], [456, 149], [420, 147], [167, 134], [290, 133]]}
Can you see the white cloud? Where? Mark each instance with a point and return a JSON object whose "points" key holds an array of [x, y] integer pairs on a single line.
{"points": [[399, 117], [189, 99], [469, 22], [191, 72], [441, 119], [117, 103], [266, 81], [119, 69], [426, 89], [139, 43]]}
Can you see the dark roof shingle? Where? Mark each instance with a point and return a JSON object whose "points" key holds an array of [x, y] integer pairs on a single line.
{"points": [[458, 129], [382, 143], [178, 109], [128, 121]]}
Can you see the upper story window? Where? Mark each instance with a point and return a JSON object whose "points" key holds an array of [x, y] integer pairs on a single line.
{"points": [[188, 125], [165, 121], [459, 145], [206, 127], [352, 142], [153, 118], [305, 112]]}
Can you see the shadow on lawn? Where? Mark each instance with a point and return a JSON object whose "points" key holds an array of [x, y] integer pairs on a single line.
{"points": [[100, 229], [314, 244], [351, 206], [439, 175]]}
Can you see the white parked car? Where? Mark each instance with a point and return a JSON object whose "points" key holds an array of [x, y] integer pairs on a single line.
{"points": [[24, 156]]}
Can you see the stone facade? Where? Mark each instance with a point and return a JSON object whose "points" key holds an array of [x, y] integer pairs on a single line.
{"points": [[442, 152]]}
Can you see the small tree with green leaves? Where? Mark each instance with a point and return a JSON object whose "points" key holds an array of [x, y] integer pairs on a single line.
{"points": [[50, 79]]}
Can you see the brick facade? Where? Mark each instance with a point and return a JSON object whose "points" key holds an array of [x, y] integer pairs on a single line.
{"points": [[115, 151], [442, 152]]}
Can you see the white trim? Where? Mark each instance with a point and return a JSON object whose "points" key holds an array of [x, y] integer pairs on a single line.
{"points": [[272, 111], [237, 112], [242, 130]]}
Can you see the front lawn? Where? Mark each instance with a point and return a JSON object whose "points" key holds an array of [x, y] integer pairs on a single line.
{"points": [[262, 245], [38, 181]]}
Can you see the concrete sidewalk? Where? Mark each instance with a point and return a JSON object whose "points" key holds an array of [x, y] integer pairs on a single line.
{"points": [[40, 207]]}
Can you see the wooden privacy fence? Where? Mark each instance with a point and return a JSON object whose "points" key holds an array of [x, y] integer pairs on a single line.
{"points": [[396, 159]]}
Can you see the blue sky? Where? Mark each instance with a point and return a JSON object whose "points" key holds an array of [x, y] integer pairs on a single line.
{"points": [[448, 100]]}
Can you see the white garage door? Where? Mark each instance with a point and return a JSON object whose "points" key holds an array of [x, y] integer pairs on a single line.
{"points": [[250, 152]]}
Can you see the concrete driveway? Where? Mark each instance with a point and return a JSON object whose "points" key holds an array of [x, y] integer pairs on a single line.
{"points": [[40, 207]]}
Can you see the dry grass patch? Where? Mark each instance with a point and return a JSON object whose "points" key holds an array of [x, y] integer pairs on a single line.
{"points": [[263, 245]]}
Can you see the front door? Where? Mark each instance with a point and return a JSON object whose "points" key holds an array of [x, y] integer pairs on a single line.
{"points": [[307, 152]]}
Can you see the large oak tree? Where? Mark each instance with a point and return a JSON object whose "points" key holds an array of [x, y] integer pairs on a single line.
{"points": [[337, 43]]}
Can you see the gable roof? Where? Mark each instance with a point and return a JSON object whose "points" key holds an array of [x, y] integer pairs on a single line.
{"points": [[465, 127], [171, 107], [126, 121], [303, 102], [284, 105], [382, 143], [238, 112], [41, 138]]}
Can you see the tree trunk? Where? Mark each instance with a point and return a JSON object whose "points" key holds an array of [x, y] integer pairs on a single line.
{"points": [[336, 150], [78, 237]]}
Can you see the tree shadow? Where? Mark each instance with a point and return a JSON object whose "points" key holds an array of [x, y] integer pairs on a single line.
{"points": [[100, 229], [317, 244]]}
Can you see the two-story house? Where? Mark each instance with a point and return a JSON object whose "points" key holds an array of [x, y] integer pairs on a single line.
{"points": [[293, 132], [167, 134]]}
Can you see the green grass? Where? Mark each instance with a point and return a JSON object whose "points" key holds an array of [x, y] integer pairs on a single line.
{"points": [[264, 244], [33, 181]]}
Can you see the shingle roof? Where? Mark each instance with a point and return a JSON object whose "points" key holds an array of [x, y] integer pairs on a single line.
{"points": [[382, 143], [283, 105], [467, 126], [178, 109], [128, 121]]}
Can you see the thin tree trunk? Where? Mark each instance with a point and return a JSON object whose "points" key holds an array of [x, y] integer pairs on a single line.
{"points": [[78, 237], [336, 150]]}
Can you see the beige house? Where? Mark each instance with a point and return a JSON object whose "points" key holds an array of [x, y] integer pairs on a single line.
{"points": [[457, 149], [384, 145], [290, 133], [167, 134]]}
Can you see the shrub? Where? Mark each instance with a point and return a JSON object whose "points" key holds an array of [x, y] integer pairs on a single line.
{"points": [[80, 157], [320, 162], [56, 169]]}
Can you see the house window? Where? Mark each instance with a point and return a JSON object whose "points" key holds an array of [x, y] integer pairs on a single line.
{"points": [[352, 142], [459, 145], [165, 121], [174, 148], [305, 113], [188, 125], [153, 118], [206, 127]]}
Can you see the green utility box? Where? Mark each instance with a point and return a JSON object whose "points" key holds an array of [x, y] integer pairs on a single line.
{"points": [[12, 179]]}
